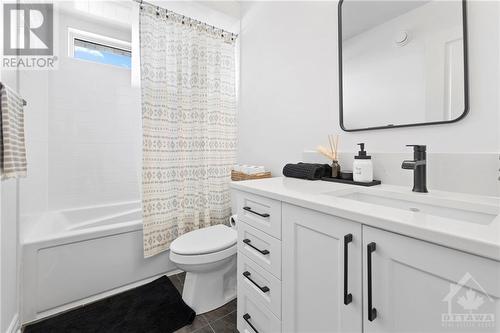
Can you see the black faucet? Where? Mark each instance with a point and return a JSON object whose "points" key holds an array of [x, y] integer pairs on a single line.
{"points": [[418, 165]]}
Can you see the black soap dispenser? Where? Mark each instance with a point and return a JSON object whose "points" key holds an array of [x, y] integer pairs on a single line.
{"points": [[362, 167]]}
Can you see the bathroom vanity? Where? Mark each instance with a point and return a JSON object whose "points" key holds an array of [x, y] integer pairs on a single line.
{"points": [[324, 257]]}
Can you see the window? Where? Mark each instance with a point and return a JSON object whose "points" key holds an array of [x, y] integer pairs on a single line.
{"points": [[100, 49]]}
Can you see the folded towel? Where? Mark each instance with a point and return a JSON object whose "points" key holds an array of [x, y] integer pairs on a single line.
{"points": [[307, 170], [13, 150]]}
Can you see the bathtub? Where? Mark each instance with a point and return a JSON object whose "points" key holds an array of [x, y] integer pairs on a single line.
{"points": [[76, 256]]}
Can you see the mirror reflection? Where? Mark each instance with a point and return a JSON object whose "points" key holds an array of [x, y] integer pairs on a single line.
{"points": [[402, 63]]}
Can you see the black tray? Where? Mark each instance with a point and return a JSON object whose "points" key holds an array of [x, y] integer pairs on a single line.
{"points": [[352, 182]]}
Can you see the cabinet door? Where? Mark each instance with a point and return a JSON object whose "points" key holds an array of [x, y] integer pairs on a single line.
{"points": [[418, 286], [313, 272]]}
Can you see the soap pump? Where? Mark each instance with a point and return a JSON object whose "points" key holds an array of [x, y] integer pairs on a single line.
{"points": [[362, 167]]}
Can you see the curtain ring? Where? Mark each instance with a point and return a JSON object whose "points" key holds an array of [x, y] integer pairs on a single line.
{"points": [[140, 5], [158, 11]]}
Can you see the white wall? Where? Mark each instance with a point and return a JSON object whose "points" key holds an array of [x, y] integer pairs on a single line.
{"points": [[9, 239], [9, 233], [289, 89]]}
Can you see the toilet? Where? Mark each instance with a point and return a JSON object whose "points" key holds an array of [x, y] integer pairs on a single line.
{"points": [[208, 256]]}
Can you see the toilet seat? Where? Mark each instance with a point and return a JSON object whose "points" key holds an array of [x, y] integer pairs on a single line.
{"points": [[206, 240], [199, 259], [204, 245]]}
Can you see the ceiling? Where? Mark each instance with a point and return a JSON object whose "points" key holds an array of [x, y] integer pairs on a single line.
{"points": [[228, 7], [360, 16]]}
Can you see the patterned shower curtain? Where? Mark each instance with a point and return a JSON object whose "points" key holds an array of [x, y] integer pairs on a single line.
{"points": [[189, 126]]}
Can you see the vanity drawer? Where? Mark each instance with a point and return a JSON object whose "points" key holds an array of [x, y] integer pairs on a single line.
{"points": [[260, 283], [261, 248], [260, 212], [251, 312]]}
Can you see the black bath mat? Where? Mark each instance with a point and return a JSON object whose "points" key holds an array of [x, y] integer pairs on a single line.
{"points": [[151, 308]]}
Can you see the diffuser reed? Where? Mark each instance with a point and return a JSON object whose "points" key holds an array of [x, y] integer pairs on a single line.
{"points": [[332, 153]]}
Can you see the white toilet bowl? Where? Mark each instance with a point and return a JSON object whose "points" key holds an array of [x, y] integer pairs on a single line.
{"points": [[208, 256]]}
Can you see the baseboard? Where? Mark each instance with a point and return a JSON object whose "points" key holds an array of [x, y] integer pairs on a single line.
{"points": [[94, 298], [14, 325]]}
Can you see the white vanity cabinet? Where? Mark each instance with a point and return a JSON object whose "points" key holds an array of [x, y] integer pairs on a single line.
{"points": [[321, 268], [304, 271], [423, 287]]}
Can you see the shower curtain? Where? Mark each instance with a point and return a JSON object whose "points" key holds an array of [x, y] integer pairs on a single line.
{"points": [[189, 126]]}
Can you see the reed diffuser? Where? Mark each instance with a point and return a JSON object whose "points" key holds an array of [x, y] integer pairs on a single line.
{"points": [[332, 154]]}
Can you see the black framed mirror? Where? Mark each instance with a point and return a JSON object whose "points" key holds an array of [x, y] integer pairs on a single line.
{"points": [[402, 63]]}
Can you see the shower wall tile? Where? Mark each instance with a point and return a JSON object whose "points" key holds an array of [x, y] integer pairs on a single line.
{"points": [[83, 174], [94, 128], [33, 189], [33, 87], [78, 194]]}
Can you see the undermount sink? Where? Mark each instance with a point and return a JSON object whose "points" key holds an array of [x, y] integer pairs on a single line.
{"points": [[479, 214]]}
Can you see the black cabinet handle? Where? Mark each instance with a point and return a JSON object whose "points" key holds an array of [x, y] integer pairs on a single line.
{"points": [[246, 316], [347, 295], [370, 248], [264, 289], [248, 241], [248, 209]]}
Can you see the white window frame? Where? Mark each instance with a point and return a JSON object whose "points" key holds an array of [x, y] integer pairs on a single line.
{"points": [[94, 38]]}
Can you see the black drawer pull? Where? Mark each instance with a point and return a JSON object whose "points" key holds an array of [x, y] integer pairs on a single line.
{"points": [[248, 209], [370, 248], [264, 289], [248, 241], [247, 317], [347, 295]]}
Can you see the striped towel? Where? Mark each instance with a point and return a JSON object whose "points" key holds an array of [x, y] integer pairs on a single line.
{"points": [[13, 150]]}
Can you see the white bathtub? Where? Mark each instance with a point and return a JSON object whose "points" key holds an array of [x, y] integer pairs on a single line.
{"points": [[75, 256]]}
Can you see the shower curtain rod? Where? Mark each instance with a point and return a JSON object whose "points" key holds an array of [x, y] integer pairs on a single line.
{"points": [[141, 2]]}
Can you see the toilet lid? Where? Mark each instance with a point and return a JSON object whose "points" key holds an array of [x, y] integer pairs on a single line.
{"points": [[207, 240]]}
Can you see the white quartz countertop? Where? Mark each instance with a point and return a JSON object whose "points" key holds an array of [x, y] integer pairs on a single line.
{"points": [[478, 238]]}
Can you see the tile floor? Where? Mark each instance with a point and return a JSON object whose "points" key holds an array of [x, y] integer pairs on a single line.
{"points": [[221, 320]]}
